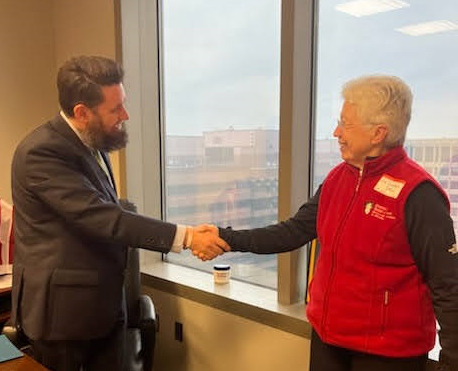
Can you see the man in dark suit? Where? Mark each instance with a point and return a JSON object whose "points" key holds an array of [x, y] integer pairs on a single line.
{"points": [[71, 231]]}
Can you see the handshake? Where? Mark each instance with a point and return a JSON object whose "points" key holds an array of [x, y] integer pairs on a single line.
{"points": [[205, 242]]}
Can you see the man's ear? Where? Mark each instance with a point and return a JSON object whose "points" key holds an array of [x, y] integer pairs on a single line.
{"points": [[380, 134], [82, 115]]}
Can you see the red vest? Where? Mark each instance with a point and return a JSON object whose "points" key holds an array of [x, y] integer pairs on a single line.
{"points": [[367, 293]]}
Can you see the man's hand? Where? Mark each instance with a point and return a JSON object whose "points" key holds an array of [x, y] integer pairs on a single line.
{"points": [[206, 243]]}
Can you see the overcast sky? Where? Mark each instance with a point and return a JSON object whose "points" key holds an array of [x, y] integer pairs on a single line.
{"points": [[221, 64], [349, 47], [222, 60]]}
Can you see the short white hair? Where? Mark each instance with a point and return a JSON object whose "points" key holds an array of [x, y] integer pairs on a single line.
{"points": [[381, 99]]}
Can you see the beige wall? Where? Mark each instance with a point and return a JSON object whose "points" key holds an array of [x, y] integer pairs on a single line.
{"points": [[218, 341], [35, 38], [84, 27], [27, 69], [87, 27]]}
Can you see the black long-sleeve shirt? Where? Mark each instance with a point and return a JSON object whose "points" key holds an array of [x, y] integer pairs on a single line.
{"points": [[431, 236]]}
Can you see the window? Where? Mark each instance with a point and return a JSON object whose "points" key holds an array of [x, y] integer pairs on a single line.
{"points": [[454, 154], [405, 41], [419, 154], [429, 154], [444, 170], [388, 42], [221, 66], [445, 154]]}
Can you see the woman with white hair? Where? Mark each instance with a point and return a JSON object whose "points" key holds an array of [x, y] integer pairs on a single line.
{"points": [[387, 266]]}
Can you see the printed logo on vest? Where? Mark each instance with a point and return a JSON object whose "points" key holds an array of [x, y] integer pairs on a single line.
{"points": [[368, 206], [378, 211], [389, 186]]}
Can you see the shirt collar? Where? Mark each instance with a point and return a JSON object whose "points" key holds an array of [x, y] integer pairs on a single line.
{"points": [[70, 123]]}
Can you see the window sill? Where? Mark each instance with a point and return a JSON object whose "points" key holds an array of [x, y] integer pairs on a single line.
{"points": [[255, 303]]}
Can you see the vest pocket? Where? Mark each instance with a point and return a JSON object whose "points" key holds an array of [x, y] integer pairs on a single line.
{"points": [[386, 299]]}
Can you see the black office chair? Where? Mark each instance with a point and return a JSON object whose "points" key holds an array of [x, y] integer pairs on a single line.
{"points": [[141, 320], [141, 315], [18, 338]]}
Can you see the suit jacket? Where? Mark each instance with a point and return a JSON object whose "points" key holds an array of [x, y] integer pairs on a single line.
{"points": [[71, 238]]}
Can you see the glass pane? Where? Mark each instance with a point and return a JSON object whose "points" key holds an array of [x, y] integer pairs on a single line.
{"points": [[221, 67], [418, 154], [414, 40]]}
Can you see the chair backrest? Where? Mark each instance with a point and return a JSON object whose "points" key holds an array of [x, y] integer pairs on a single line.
{"points": [[141, 317], [132, 287], [132, 276]]}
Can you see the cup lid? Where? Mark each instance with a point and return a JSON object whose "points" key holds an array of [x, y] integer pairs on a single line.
{"points": [[221, 267]]}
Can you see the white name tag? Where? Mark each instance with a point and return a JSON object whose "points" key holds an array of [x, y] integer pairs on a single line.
{"points": [[389, 186]]}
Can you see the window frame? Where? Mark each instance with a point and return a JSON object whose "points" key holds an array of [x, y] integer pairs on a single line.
{"points": [[144, 156]]}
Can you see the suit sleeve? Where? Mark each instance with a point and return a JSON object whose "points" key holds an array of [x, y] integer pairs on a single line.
{"points": [[281, 237], [58, 181], [431, 236]]}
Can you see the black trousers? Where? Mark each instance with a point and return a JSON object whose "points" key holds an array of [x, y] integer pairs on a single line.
{"points": [[87, 355], [325, 357]]}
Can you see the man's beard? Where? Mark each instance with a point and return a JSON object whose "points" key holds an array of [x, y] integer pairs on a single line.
{"points": [[96, 137]]}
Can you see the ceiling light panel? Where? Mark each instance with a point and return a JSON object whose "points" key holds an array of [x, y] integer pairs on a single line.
{"points": [[428, 28], [361, 8]]}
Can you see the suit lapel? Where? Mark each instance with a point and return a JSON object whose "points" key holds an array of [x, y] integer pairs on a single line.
{"points": [[106, 160], [103, 183]]}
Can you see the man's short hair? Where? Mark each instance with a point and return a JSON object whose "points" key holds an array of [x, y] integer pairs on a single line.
{"points": [[80, 80]]}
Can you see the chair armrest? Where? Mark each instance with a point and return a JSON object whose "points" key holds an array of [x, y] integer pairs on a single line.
{"points": [[147, 312], [147, 326], [12, 333], [17, 337]]}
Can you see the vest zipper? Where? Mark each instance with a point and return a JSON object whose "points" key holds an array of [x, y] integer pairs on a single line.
{"points": [[359, 181], [384, 311], [338, 236]]}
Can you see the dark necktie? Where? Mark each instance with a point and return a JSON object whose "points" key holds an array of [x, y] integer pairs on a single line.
{"points": [[102, 164]]}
